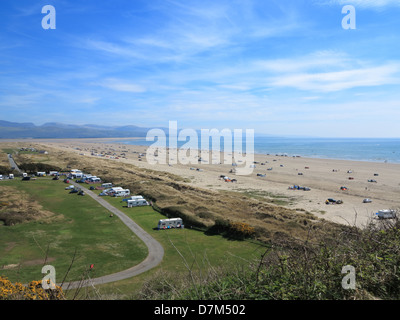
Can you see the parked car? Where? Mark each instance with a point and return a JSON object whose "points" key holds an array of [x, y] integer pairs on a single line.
{"points": [[69, 187], [333, 201], [367, 200], [371, 180]]}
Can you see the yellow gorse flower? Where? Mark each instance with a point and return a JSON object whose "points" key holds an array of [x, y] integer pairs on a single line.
{"points": [[33, 291]]}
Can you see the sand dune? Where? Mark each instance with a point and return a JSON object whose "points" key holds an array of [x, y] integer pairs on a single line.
{"points": [[324, 177]]}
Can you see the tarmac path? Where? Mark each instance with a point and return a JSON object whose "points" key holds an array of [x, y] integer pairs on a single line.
{"points": [[155, 256], [12, 162]]}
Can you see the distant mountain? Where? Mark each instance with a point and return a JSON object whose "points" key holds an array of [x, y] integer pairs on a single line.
{"points": [[16, 125], [55, 130]]}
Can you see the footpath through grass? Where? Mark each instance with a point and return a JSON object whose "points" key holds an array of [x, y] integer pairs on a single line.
{"points": [[186, 250], [83, 228], [80, 230]]}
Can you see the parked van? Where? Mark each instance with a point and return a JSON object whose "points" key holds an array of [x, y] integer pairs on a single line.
{"points": [[133, 198], [107, 185], [170, 223], [122, 193], [386, 214], [137, 203]]}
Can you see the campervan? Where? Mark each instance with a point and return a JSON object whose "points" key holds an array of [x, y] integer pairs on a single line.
{"points": [[170, 223], [93, 179], [107, 185], [386, 214], [137, 203], [133, 198], [120, 192], [75, 173]]}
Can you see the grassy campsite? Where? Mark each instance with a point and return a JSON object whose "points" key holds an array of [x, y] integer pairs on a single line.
{"points": [[72, 232], [66, 229]]}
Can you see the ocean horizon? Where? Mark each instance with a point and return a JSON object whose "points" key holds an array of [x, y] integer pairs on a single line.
{"points": [[356, 149]]}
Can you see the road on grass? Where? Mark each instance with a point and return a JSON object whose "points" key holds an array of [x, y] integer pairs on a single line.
{"points": [[12, 162], [154, 257]]}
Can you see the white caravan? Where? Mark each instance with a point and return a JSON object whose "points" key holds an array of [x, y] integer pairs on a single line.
{"points": [[170, 223], [137, 203], [122, 193]]}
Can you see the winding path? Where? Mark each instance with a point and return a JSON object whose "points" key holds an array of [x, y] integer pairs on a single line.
{"points": [[155, 256], [12, 162]]}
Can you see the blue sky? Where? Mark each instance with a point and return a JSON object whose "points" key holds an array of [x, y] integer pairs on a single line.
{"points": [[277, 66]]}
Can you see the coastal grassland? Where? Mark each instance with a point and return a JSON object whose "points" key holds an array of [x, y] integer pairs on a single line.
{"points": [[199, 207], [74, 228], [4, 159], [278, 199], [28, 156], [187, 251], [298, 257], [302, 271], [8, 149]]}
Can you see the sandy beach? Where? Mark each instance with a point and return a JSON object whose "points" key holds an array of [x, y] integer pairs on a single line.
{"points": [[324, 177]]}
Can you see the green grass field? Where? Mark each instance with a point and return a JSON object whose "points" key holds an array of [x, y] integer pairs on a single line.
{"points": [[184, 249], [81, 226]]}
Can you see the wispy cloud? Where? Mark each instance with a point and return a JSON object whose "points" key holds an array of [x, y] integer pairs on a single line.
{"points": [[120, 85], [341, 80], [195, 30], [365, 4]]}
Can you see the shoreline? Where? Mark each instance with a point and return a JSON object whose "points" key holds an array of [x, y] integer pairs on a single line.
{"points": [[256, 154]]}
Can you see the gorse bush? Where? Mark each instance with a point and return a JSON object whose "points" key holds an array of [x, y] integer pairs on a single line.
{"points": [[232, 229], [31, 167], [33, 291]]}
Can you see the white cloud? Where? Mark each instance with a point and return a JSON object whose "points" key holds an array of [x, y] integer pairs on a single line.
{"points": [[118, 85], [341, 80]]}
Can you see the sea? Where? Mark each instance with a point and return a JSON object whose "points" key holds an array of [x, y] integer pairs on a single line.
{"points": [[358, 149]]}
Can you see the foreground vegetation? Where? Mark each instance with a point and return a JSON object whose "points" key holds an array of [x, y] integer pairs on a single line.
{"points": [[32, 291], [299, 271]]}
